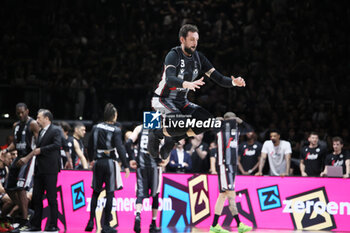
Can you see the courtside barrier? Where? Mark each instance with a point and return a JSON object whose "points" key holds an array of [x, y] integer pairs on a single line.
{"points": [[303, 203]]}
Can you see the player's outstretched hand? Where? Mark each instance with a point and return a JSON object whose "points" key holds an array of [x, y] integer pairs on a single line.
{"points": [[193, 85], [239, 82]]}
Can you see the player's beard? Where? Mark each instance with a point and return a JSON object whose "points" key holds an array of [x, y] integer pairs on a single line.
{"points": [[189, 50]]}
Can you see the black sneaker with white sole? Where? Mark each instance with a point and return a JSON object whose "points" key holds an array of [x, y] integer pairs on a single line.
{"points": [[137, 224], [108, 229], [153, 228]]}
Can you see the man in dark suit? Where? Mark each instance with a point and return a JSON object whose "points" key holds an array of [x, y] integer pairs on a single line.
{"points": [[180, 160], [47, 166]]}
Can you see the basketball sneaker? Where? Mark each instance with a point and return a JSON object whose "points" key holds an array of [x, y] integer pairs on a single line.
{"points": [[243, 228], [217, 229]]}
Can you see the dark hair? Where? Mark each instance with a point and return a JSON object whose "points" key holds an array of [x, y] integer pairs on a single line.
{"points": [[275, 131], [78, 125], [109, 112], [187, 28], [65, 126], [21, 105], [46, 113], [313, 133], [338, 139]]}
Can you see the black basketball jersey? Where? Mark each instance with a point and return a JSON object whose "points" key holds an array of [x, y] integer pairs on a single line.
{"points": [[188, 68], [143, 158], [227, 141], [104, 139], [74, 155], [69, 144], [23, 137]]}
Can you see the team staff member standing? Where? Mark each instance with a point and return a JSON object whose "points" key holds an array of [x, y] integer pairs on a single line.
{"points": [[104, 138], [47, 166], [312, 157], [279, 153], [182, 66], [249, 154], [338, 158], [20, 179]]}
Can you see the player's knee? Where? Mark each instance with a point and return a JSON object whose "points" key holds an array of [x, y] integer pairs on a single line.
{"points": [[223, 195], [166, 133], [190, 133], [139, 200], [231, 194]]}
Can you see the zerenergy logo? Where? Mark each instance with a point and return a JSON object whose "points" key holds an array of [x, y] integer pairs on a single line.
{"points": [[311, 210], [319, 207]]}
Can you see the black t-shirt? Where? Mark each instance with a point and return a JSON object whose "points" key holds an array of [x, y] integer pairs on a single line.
{"points": [[75, 158], [199, 165], [313, 159], [67, 145], [337, 160], [249, 154]]}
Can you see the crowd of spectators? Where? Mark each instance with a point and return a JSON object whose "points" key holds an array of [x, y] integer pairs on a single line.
{"points": [[80, 54]]}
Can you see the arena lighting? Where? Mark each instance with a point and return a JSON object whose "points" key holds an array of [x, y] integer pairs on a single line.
{"points": [[80, 118], [5, 115]]}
